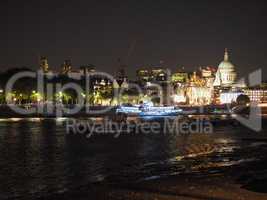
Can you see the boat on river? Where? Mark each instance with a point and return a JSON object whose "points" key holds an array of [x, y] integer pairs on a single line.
{"points": [[149, 112]]}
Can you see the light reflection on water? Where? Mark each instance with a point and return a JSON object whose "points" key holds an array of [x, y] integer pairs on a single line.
{"points": [[36, 155]]}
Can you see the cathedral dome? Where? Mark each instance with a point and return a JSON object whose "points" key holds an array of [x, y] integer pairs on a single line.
{"points": [[226, 64], [226, 74]]}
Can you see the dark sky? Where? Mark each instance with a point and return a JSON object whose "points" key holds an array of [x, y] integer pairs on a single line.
{"points": [[180, 33]]}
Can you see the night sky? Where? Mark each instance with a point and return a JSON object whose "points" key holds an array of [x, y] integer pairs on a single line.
{"points": [[180, 33]]}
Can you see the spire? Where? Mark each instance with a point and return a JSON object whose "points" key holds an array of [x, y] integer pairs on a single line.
{"points": [[226, 56]]}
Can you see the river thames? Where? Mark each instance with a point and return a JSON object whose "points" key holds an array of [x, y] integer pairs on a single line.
{"points": [[38, 158]]}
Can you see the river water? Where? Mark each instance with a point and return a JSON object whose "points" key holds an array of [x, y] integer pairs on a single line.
{"points": [[37, 157]]}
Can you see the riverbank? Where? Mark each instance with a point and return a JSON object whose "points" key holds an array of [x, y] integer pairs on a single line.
{"points": [[217, 187], [230, 183]]}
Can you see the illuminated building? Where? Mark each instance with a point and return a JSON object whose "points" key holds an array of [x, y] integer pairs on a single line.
{"points": [[179, 77], [180, 82], [225, 75], [194, 89], [229, 97], [44, 64], [77, 74], [143, 75], [179, 97], [159, 74], [200, 90], [199, 95], [101, 84], [152, 74], [102, 91], [257, 94], [153, 82], [207, 72]]}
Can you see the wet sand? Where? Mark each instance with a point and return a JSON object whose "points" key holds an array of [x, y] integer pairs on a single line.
{"points": [[217, 187], [229, 183]]}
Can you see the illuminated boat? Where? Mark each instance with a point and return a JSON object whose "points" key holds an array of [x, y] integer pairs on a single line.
{"points": [[128, 110], [147, 110], [163, 111]]}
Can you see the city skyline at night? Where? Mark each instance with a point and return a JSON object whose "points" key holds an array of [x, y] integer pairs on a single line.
{"points": [[138, 100]]}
